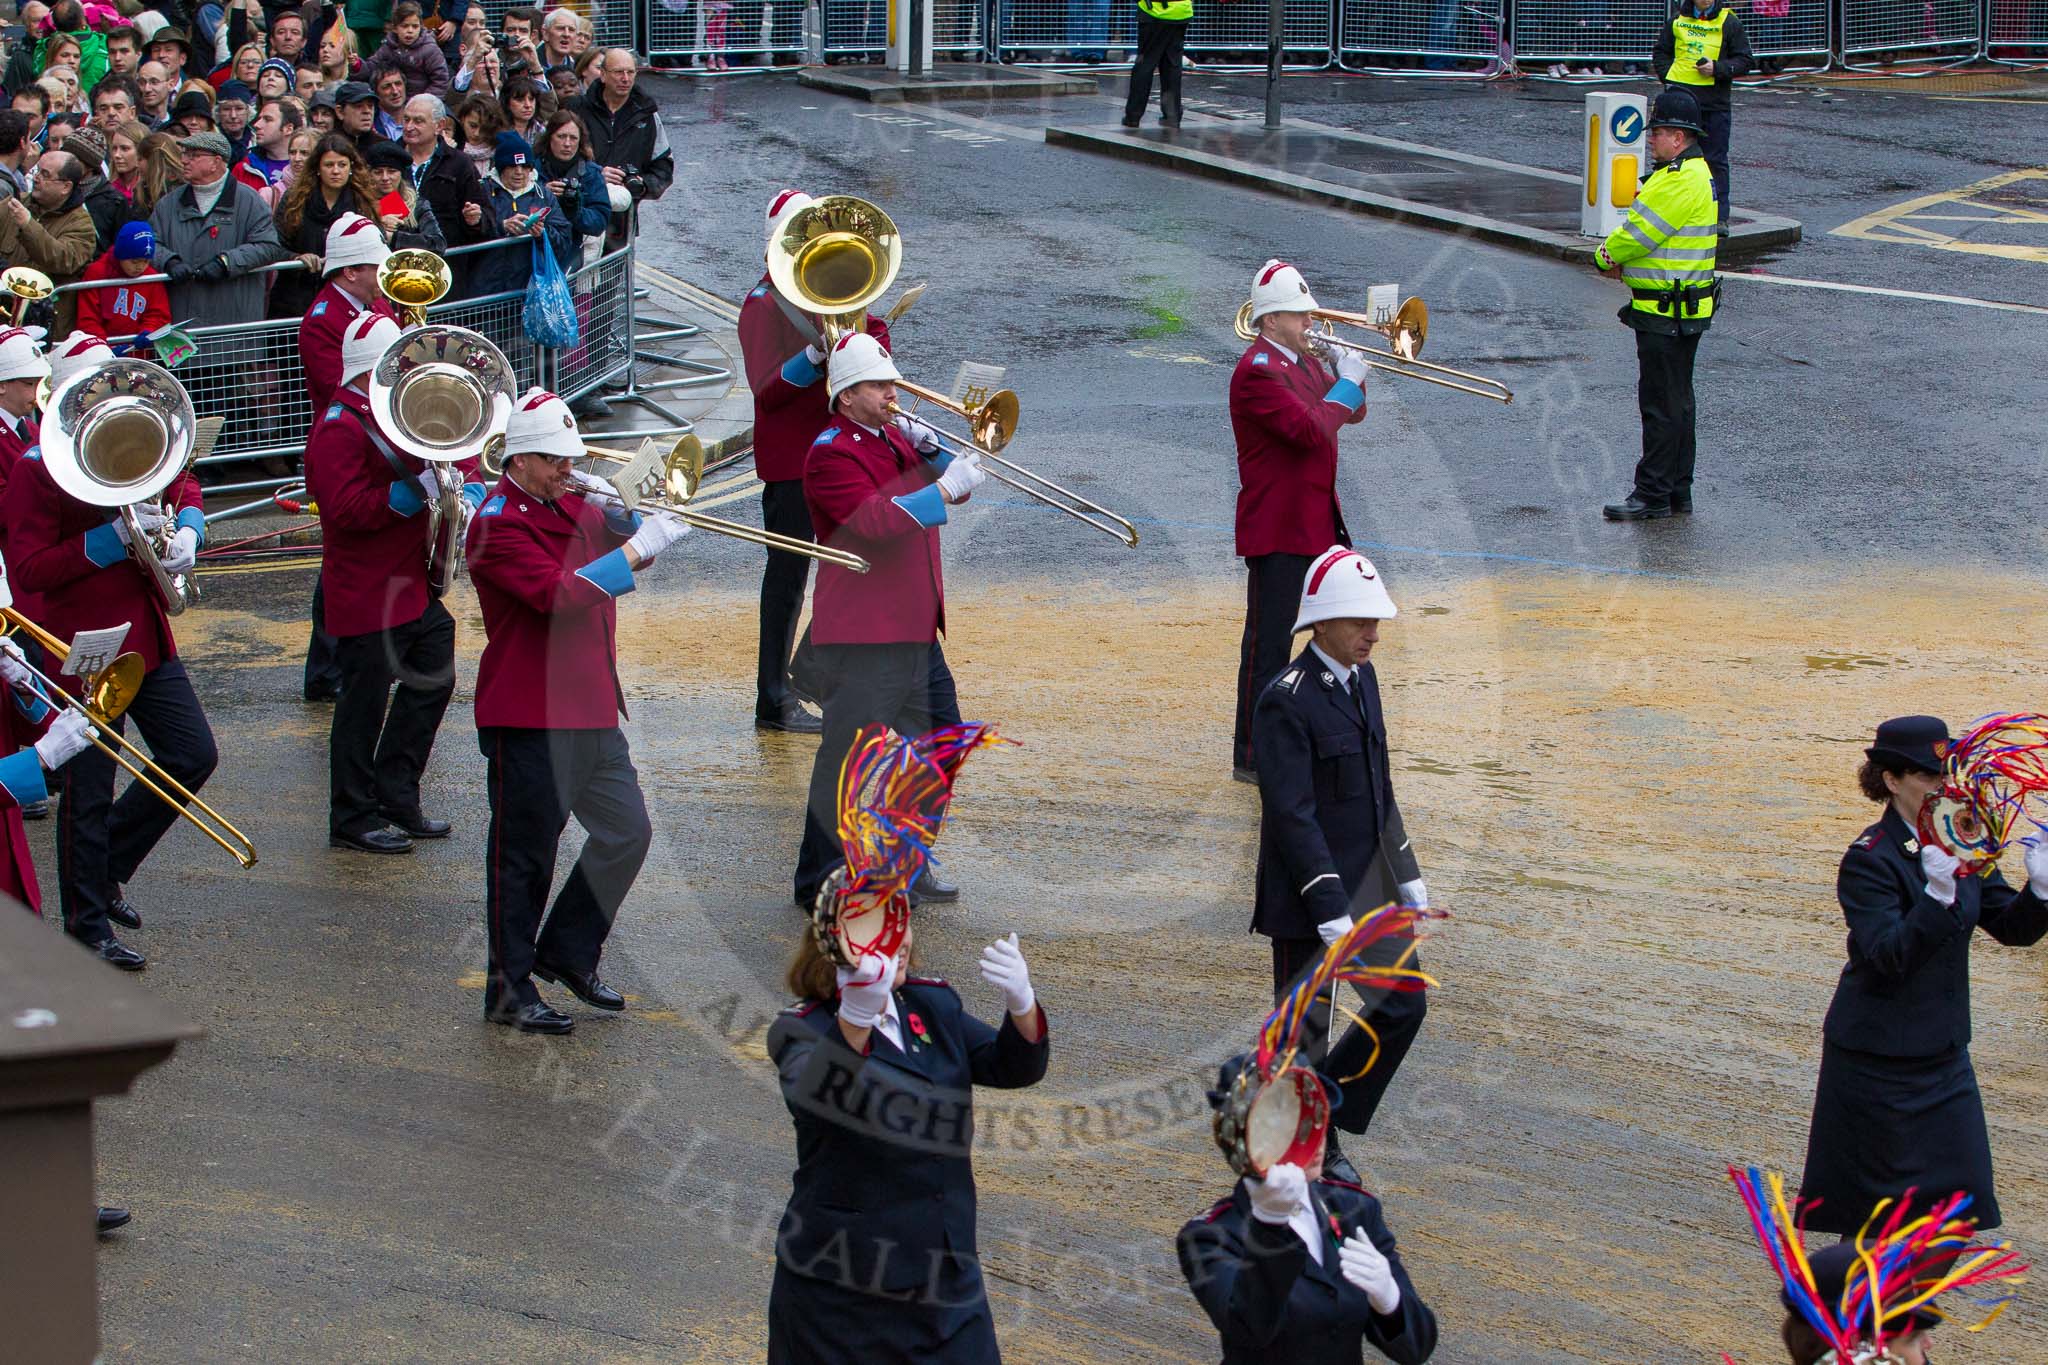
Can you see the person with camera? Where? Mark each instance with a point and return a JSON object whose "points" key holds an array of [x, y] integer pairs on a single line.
{"points": [[587, 199], [626, 136]]}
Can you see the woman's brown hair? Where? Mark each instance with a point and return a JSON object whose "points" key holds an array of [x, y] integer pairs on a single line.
{"points": [[163, 170], [814, 976], [1870, 777], [292, 209]]}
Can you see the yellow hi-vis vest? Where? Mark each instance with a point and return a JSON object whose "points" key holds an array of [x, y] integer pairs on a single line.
{"points": [[1693, 41], [1181, 10], [1665, 247]]}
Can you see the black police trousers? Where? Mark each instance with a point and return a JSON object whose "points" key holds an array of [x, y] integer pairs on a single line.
{"points": [[380, 742], [784, 512], [908, 688], [1159, 44], [1664, 395], [536, 780], [323, 673], [101, 841], [1396, 1016], [1272, 599]]}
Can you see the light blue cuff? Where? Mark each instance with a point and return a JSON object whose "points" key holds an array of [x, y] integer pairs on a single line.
{"points": [[22, 775], [473, 494], [406, 498], [34, 708], [609, 573], [620, 522], [799, 370], [927, 506], [194, 519], [1347, 393], [939, 459], [103, 546]]}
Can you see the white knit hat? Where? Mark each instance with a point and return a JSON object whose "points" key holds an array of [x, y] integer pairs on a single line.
{"points": [[74, 353], [20, 357], [354, 240], [857, 357], [1279, 288], [543, 425], [367, 337], [1342, 584]]}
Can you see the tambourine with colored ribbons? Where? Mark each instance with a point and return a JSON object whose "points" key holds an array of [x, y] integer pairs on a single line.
{"points": [[1993, 776], [1269, 1110], [893, 798]]}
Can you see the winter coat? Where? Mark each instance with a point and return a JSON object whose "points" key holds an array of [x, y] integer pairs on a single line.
{"points": [[293, 292], [510, 268], [60, 243], [633, 140], [239, 228], [425, 68], [123, 309], [108, 206]]}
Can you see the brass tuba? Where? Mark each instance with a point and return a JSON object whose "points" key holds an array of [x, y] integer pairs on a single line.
{"points": [[415, 279], [442, 393], [28, 285], [117, 434], [834, 259]]}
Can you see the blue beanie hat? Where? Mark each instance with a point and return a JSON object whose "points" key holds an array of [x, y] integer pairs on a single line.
{"points": [[134, 242], [235, 90], [513, 150]]}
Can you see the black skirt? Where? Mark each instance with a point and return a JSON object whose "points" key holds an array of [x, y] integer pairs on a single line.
{"points": [[823, 1322], [1884, 1125]]}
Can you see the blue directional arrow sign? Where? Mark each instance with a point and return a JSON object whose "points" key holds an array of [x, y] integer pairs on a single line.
{"points": [[1627, 123]]}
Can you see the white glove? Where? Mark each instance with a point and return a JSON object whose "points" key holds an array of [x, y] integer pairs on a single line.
{"points": [[814, 355], [14, 666], [151, 518], [183, 551], [590, 483], [1413, 894], [1276, 1198], [1940, 869], [920, 436], [962, 477], [1334, 929], [1366, 1269], [656, 534], [1351, 365], [1002, 966], [2037, 867], [68, 736], [864, 990]]}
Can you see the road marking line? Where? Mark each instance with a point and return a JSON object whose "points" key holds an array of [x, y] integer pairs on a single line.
{"points": [[1914, 294], [1900, 224]]}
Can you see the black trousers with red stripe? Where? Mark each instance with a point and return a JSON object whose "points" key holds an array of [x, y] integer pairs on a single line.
{"points": [[1272, 599], [1396, 1017], [537, 779]]}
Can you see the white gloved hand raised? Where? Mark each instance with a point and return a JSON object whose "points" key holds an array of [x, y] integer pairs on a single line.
{"points": [[1333, 929], [1367, 1269], [183, 551], [864, 990], [2037, 866], [1276, 1198], [1002, 966], [1413, 894], [814, 355], [962, 477], [69, 735], [920, 435], [656, 534], [1351, 365], [1940, 870], [14, 666]]}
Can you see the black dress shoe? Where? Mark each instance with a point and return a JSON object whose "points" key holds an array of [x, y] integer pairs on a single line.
{"points": [[1635, 509], [419, 826], [124, 914], [1132, 122], [320, 692], [110, 1218], [794, 720], [928, 889], [534, 1018], [1681, 507], [36, 810], [383, 839], [586, 988], [115, 953]]}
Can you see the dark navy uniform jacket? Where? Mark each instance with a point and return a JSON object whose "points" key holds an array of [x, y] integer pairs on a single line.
{"points": [[1272, 1302], [1326, 802], [1905, 991], [884, 1187]]}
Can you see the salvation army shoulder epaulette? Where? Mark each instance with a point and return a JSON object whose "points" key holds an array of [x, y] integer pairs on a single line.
{"points": [[1290, 680], [1217, 1211], [799, 1008]]}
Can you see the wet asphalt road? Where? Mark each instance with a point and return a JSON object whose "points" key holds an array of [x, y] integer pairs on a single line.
{"points": [[352, 1166]]}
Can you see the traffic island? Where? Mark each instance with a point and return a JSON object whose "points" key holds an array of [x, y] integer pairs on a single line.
{"points": [[944, 81], [1501, 202]]}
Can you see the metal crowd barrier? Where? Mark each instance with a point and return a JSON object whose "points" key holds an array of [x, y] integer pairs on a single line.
{"points": [[707, 28], [1950, 28], [1067, 30], [1789, 28], [614, 20], [1444, 30], [1588, 30], [2017, 32], [1244, 28]]}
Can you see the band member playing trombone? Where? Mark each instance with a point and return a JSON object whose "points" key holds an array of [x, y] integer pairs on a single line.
{"points": [[37, 739], [389, 626], [81, 561], [878, 486], [548, 566], [1285, 408], [786, 371]]}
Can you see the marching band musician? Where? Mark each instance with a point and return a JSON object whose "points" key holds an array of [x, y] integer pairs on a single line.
{"points": [[77, 557], [876, 1257], [786, 371], [548, 567], [389, 626], [1285, 409], [878, 486], [1331, 838], [22, 369], [1302, 1270]]}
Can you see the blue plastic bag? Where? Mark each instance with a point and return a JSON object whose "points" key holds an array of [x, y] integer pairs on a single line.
{"points": [[550, 311]]}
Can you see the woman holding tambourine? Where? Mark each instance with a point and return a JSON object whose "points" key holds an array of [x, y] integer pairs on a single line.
{"points": [[1897, 1106]]}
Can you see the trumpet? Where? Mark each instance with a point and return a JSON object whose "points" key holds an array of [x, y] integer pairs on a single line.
{"points": [[108, 693], [1407, 330], [991, 426]]}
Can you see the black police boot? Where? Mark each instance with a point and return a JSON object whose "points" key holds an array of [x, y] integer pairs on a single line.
{"points": [[583, 985], [929, 888], [537, 1017], [115, 953], [1635, 509], [792, 719]]}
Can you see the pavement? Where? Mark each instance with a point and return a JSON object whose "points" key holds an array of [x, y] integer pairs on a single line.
{"points": [[1626, 754], [943, 81]]}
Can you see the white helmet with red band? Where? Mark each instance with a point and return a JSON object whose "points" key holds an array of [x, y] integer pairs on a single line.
{"points": [[1279, 288], [354, 240], [76, 352], [542, 425], [20, 357], [1343, 585], [857, 358], [785, 203], [367, 337]]}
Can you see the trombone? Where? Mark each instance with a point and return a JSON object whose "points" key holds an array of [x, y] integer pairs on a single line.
{"points": [[108, 693], [1407, 331], [991, 426]]}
